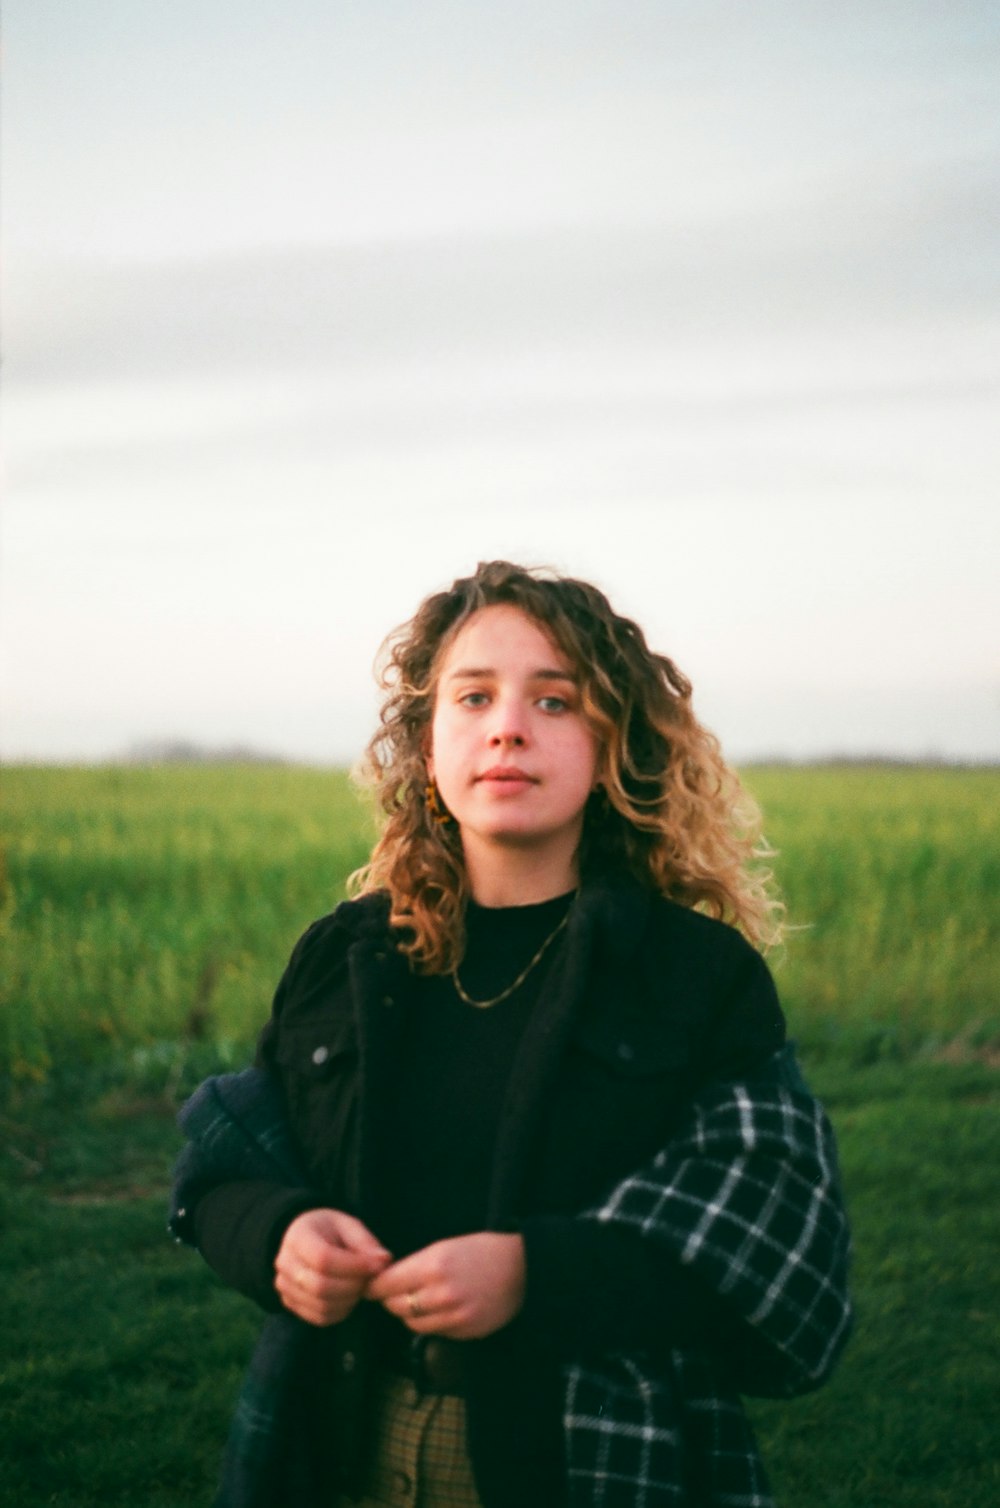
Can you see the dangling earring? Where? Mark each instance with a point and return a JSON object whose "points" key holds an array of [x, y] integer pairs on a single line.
{"points": [[435, 806]]}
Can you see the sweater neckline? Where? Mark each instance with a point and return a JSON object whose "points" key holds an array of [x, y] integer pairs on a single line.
{"points": [[491, 921]]}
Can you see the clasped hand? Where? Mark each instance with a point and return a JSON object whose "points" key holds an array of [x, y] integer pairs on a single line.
{"points": [[464, 1288]]}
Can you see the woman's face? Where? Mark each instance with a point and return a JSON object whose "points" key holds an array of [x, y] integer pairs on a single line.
{"points": [[511, 752]]}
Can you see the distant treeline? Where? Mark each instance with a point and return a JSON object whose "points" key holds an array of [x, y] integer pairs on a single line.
{"points": [[865, 761], [187, 751]]}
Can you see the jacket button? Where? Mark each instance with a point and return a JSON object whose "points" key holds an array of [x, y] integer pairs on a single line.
{"points": [[348, 1361], [626, 1052], [320, 1055], [388, 1000]]}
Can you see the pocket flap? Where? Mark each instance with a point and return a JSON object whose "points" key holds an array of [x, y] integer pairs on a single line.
{"points": [[315, 1047], [634, 1048]]}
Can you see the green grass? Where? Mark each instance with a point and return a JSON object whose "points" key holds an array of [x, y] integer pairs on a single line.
{"points": [[894, 873], [122, 1353], [910, 1417], [146, 908], [146, 915]]}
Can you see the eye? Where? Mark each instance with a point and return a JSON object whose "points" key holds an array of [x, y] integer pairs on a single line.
{"points": [[553, 704], [473, 699]]}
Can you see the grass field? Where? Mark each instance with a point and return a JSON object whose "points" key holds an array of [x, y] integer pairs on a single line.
{"points": [[146, 914]]}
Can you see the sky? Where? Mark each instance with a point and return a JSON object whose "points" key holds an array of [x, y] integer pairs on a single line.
{"points": [[309, 308]]}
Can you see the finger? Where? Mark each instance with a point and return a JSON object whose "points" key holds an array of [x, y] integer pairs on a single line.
{"points": [[319, 1305], [305, 1285], [317, 1314], [406, 1276], [416, 1305], [314, 1234], [436, 1311], [326, 1253], [356, 1236], [322, 1305], [306, 1282], [334, 1263], [450, 1322]]}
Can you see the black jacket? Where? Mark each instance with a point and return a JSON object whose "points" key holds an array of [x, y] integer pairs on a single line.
{"points": [[649, 1003]]}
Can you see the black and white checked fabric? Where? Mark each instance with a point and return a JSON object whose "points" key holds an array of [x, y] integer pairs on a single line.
{"points": [[747, 1193], [748, 1196]]}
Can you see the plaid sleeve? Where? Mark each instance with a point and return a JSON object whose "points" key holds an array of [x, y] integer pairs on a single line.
{"points": [[747, 1196], [236, 1129], [639, 1439]]}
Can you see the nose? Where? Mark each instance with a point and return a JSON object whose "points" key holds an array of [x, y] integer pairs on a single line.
{"points": [[508, 730]]}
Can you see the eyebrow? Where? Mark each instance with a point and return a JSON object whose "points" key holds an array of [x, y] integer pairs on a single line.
{"points": [[472, 672]]}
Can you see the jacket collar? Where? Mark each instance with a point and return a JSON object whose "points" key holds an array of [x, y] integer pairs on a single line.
{"points": [[606, 925], [615, 909]]}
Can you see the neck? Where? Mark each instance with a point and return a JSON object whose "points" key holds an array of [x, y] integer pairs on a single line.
{"points": [[512, 876]]}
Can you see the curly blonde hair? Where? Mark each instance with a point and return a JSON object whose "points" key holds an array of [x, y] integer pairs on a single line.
{"points": [[671, 812]]}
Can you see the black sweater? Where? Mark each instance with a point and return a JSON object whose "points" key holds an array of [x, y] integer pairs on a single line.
{"points": [[439, 1124], [645, 1002]]}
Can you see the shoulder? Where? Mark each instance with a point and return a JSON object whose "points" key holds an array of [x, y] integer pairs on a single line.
{"points": [[679, 940], [322, 950], [670, 922], [698, 978], [352, 921], [637, 924], [316, 978]]}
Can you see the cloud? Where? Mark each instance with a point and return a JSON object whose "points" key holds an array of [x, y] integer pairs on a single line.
{"points": [[879, 253], [305, 314]]}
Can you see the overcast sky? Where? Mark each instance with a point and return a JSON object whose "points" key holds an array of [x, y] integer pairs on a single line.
{"points": [[310, 307]]}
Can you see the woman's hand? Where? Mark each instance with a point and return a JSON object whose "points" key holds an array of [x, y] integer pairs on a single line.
{"points": [[324, 1264], [463, 1288]]}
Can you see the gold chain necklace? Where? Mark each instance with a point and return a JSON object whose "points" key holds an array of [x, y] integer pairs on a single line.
{"points": [[505, 994]]}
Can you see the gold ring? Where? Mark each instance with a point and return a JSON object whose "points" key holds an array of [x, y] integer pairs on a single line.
{"points": [[416, 1312]]}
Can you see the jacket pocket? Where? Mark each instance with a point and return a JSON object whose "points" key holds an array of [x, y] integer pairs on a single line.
{"points": [[621, 1090], [317, 1061], [631, 1050], [317, 1050]]}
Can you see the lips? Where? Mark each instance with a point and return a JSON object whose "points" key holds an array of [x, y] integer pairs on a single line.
{"points": [[507, 774]]}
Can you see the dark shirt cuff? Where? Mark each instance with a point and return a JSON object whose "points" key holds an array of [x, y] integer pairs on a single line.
{"points": [[238, 1228]]}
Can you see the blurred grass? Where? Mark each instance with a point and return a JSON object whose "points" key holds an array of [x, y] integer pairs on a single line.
{"points": [[146, 913], [909, 1419], [150, 907], [893, 875], [122, 1353]]}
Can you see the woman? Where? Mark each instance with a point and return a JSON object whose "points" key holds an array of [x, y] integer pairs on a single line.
{"points": [[525, 1173]]}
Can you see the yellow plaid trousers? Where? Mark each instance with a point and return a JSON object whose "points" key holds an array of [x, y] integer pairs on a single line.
{"points": [[420, 1459]]}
